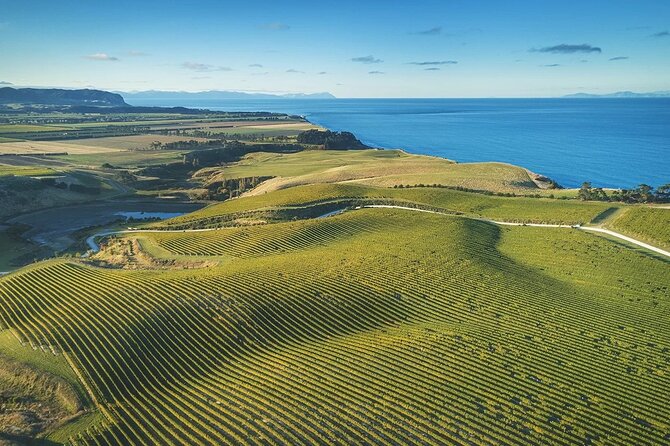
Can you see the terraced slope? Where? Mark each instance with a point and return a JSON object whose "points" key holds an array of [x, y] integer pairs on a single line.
{"points": [[378, 326]]}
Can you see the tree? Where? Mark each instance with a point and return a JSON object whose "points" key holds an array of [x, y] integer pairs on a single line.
{"points": [[585, 191], [645, 192]]}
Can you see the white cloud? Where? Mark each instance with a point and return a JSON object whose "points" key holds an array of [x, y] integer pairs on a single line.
{"points": [[366, 59], [203, 68], [102, 57]]}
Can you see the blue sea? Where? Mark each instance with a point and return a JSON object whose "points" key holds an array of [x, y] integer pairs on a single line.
{"points": [[610, 142]]}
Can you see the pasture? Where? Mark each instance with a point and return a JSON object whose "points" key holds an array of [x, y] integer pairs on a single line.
{"points": [[131, 142], [50, 147]]}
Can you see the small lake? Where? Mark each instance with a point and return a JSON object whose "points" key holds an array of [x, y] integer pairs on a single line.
{"points": [[54, 227]]}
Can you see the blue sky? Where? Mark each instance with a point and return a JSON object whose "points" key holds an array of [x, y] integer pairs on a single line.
{"points": [[448, 48]]}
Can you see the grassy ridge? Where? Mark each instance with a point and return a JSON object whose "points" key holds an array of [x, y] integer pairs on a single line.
{"points": [[517, 209], [384, 326]]}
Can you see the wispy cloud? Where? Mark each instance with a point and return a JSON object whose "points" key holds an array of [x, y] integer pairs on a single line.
{"points": [[203, 68], [256, 65], [661, 34], [434, 62], [275, 26], [102, 57], [552, 65], [366, 59], [322, 72], [432, 69], [376, 72], [429, 32], [134, 53], [5, 83], [565, 48], [292, 70], [619, 58]]}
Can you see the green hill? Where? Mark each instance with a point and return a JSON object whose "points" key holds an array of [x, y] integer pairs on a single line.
{"points": [[377, 325]]}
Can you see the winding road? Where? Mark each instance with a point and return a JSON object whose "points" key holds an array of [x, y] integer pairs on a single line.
{"points": [[91, 241]]}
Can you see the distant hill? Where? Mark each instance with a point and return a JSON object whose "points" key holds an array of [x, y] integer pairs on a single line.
{"points": [[621, 94], [219, 94], [60, 97]]}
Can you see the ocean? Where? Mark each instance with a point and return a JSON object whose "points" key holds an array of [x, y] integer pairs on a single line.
{"points": [[609, 142]]}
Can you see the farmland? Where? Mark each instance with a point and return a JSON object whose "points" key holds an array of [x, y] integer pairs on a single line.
{"points": [[498, 344], [253, 319], [646, 223]]}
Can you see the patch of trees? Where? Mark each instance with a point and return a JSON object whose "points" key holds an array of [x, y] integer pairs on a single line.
{"points": [[229, 188], [186, 145], [331, 140], [641, 194]]}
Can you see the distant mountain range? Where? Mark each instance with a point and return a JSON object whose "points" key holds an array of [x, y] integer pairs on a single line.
{"points": [[622, 94], [60, 97], [218, 94]]}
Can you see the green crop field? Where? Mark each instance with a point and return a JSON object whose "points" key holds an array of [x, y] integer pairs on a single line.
{"points": [[649, 224], [374, 326]]}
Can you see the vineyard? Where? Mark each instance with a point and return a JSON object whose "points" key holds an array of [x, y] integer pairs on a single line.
{"points": [[517, 209], [646, 223], [379, 326]]}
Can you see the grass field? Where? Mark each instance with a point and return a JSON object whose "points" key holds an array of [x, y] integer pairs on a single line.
{"points": [[22, 128], [125, 159], [41, 393], [26, 171], [13, 248], [268, 130], [39, 147], [132, 142], [385, 168], [380, 326]]}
